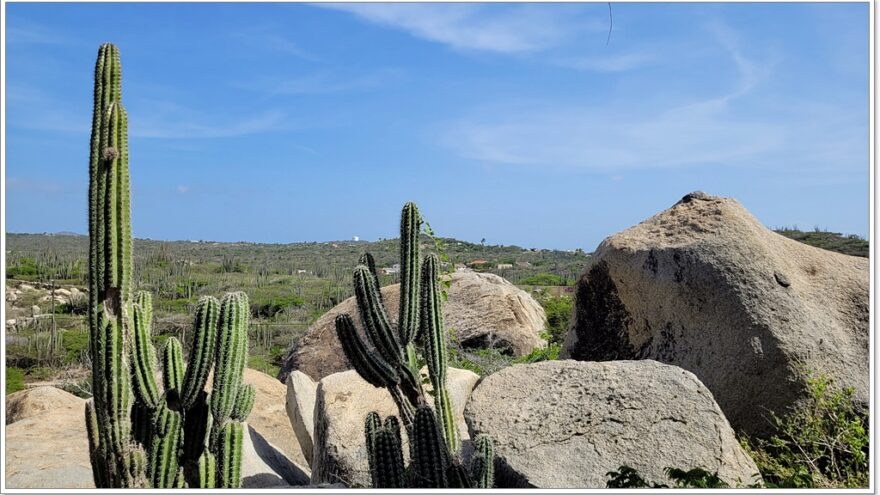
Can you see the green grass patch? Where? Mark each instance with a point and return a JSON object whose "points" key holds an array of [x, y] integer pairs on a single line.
{"points": [[262, 363], [14, 380]]}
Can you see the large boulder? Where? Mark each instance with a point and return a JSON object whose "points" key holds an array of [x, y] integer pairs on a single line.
{"points": [[566, 424], [704, 286], [46, 446], [342, 403], [483, 310]]}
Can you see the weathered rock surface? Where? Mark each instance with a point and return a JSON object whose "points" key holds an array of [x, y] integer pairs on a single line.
{"points": [[39, 400], [46, 446], [301, 391], [342, 403], [704, 286], [483, 310], [263, 465], [565, 424]]}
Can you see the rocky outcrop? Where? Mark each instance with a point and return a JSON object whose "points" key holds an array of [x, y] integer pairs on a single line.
{"points": [[46, 446], [704, 286], [300, 404], [342, 403], [39, 400], [483, 310], [566, 424]]}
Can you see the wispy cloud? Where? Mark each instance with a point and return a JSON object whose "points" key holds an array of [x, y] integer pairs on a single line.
{"points": [[620, 62], [39, 186], [23, 32], [33, 109], [624, 134], [323, 82], [508, 29], [166, 119], [183, 123], [269, 38]]}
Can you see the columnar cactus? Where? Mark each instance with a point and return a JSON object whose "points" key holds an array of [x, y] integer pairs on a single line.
{"points": [[430, 465], [142, 435], [110, 275], [408, 321], [434, 334], [483, 462], [387, 358]]}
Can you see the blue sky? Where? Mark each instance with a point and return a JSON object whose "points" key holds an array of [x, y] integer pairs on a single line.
{"points": [[514, 123]]}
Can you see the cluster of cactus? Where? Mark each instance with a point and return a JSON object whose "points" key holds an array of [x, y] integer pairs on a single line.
{"points": [[431, 465], [142, 435], [387, 356]]}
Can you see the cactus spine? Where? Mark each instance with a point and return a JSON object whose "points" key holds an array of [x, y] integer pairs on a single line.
{"points": [[483, 462], [150, 436]]}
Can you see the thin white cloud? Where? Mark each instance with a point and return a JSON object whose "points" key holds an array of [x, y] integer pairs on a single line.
{"points": [[32, 109], [323, 83], [621, 62], [23, 32], [36, 186], [626, 134], [512, 29], [270, 38], [168, 127]]}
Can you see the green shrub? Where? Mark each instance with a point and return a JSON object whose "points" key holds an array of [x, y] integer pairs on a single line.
{"points": [[271, 307], [14, 380], [548, 279], [261, 363], [548, 353], [25, 268], [627, 477], [76, 346], [558, 310], [822, 444]]}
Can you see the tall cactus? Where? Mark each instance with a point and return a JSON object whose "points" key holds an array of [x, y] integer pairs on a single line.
{"points": [[408, 321], [110, 273], [434, 334], [387, 358], [142, 435]]}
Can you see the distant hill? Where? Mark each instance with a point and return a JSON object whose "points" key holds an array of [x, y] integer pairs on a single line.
{"points": [[852, 245]]}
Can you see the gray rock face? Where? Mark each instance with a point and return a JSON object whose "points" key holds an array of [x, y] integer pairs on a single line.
{"points": [[565, 424], [301, 392], [704, 286], [483, 310], [342, 403]]}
